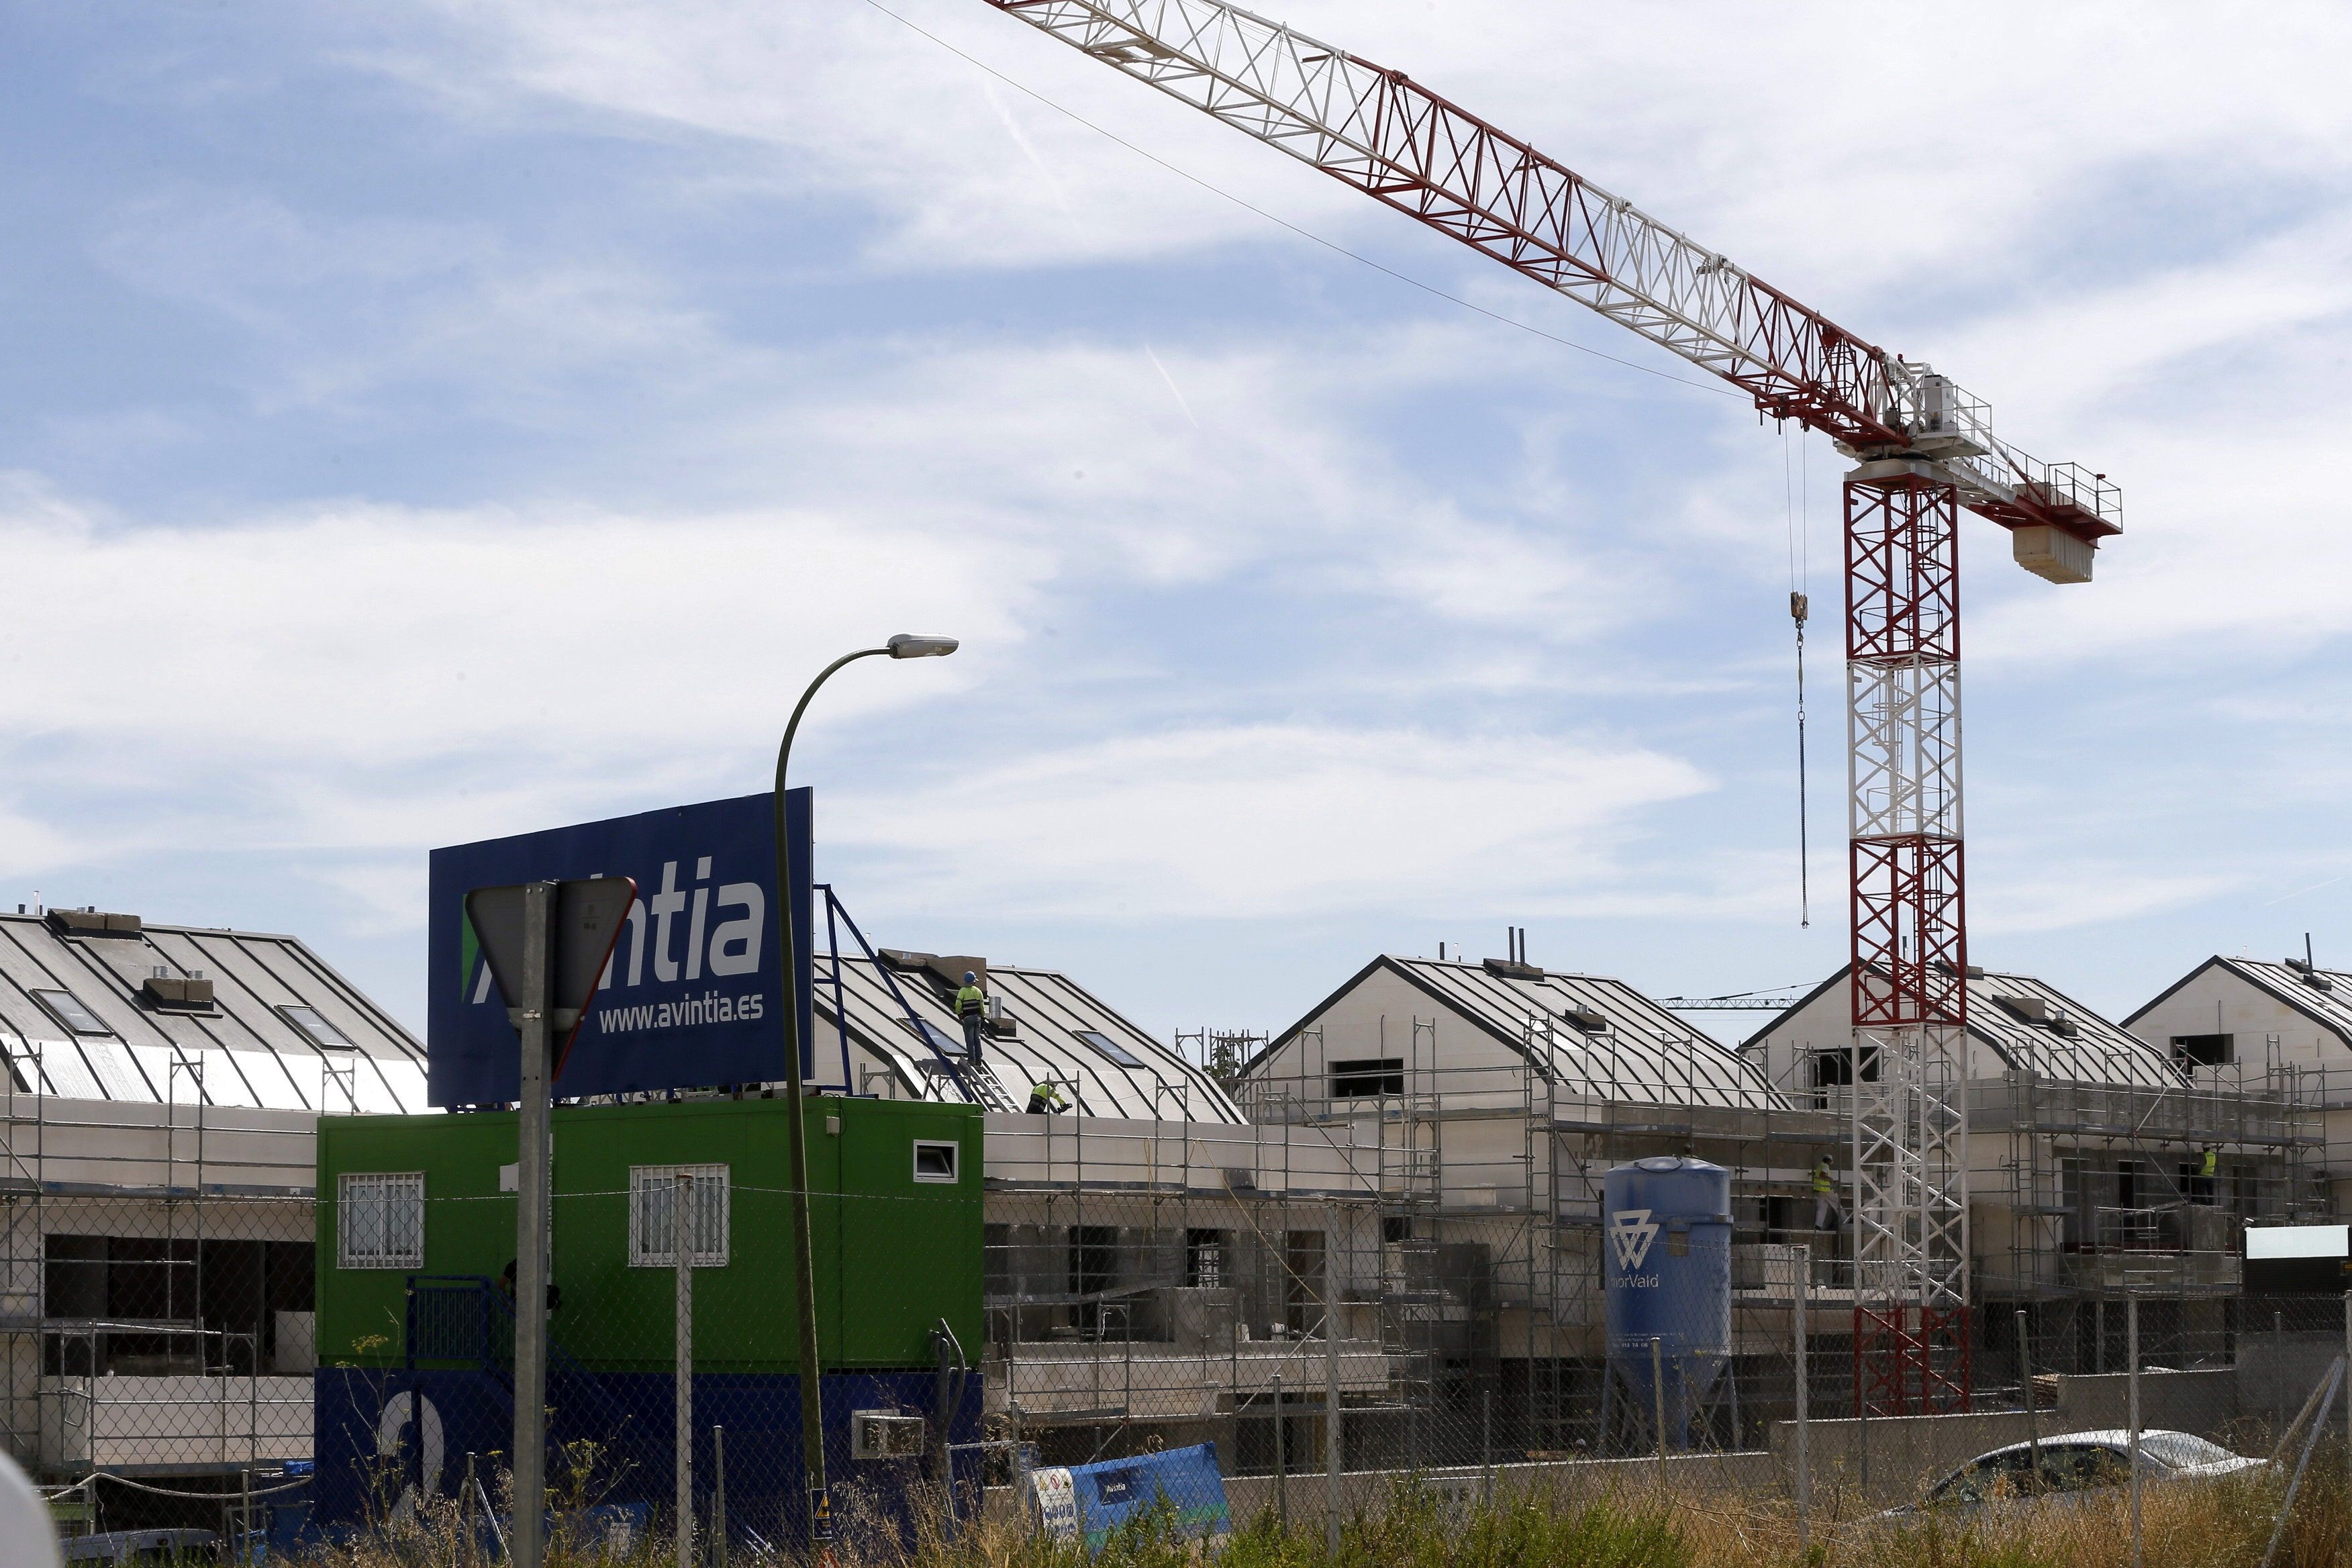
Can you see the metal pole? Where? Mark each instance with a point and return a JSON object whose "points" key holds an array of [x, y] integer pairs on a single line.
{"points": [[2278, 1365], [1804, 1404], [2131, 1350], [1658, 1398], [719, 1497], [1331, 1434], [1281, 1457], [1487, 1442], [465, 1540], [2025, 1387], [2347, 1403], [820, 1507], [681, 1243], [532, 1225]]}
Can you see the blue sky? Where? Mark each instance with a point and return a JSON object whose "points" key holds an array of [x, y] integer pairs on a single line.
{"points": [[424, 423]]}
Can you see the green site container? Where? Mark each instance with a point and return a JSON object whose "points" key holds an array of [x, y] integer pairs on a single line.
{"points": [[894, 1218]]}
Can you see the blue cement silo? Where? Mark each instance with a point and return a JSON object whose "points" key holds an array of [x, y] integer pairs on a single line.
{"points": [[1666, 1260]]}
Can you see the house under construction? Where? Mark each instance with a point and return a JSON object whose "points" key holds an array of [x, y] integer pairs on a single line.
{"points": [[1160, 1270], [164, 1086], [2230, 1011], [2087, 1154], [1486, 1100]]}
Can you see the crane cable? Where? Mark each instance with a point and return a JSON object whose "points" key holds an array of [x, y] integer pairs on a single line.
{"points": [[1800, 579]]}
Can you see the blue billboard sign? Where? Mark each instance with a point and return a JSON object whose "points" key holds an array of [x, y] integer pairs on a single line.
{"points": [[691, 998]]}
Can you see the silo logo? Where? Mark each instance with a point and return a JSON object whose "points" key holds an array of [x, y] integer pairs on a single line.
{"points": [[1631, 1231]]}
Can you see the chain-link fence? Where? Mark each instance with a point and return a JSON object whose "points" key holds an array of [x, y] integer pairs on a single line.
{"points": [[223, 1362]]}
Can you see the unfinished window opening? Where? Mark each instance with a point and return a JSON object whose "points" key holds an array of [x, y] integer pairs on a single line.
{"points": [[1093, 1271], [1834, 1067], [1304, 1276], [2204, 1050], [1205, 1258], [1367, 1077]]}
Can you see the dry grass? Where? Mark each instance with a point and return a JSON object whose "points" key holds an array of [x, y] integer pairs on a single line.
{"points": [[2219, 1524]]}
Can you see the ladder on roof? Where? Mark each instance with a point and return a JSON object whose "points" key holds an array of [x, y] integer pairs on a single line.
{"points": [[973, 1087]]}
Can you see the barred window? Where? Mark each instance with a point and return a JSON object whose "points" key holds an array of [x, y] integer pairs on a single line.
{"points": [[380, 1221], [653, 1202]]}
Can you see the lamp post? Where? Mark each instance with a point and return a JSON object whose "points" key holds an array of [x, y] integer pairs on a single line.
{"points": [[903, 645]]}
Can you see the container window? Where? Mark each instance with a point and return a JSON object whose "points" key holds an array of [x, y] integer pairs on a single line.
{"points": [[936, 1161], [653, 1207], [380, 1221], [67, 1008]]}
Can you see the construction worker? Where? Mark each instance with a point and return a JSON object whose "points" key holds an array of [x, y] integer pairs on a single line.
{"points": [[1045, 1100], [2209, 1168], [1826, 1213], [970, 1006]]}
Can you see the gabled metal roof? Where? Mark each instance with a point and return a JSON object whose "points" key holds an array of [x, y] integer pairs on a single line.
{"points": [[1049, 1011], [2096, 1051], [1593, 1034], [2331, 1008], [244, 1050]]}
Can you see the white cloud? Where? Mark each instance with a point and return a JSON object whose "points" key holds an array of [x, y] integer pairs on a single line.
{"points": [[358, 669], [1266, 821]]}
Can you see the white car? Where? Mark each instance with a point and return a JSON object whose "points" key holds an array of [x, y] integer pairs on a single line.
{"points": [[2076, 1462]]}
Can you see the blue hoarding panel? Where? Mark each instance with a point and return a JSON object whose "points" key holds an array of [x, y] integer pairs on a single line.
{"points": [[1091, 1500], [691, 997]]}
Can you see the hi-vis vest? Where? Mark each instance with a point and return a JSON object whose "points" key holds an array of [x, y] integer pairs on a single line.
{"points": [[1822, 1183], [970, 1000], [2213, 1163]]}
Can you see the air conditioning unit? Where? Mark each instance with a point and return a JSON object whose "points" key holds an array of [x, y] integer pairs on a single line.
{"points": [[886, 1435]]}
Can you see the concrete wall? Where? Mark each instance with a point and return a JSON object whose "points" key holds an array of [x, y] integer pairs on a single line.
{"points": [[1047, 1151], [1362, 1491], [118, 1423]]}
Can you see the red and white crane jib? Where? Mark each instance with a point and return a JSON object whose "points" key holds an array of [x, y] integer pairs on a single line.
{"points": [[1386, 135]]}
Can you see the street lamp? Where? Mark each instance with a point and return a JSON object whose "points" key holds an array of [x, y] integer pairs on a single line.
{"points": [[906, 644]]}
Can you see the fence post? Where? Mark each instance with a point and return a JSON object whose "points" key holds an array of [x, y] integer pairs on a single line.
{"points": [[719, 1497], [681, 1244], [1281, 1456], [2347, 1402], [2025, 1387], [2131, 1352], [2278, 1365], [1487, 1442], [1804, 1402], [1658, 1399], [1331, 1434]]}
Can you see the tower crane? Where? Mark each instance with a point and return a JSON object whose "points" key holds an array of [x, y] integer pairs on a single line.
{"points": [[1922, 451]]}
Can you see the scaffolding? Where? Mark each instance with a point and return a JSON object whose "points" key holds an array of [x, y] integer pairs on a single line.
{"points": [[1489, 1206], [148, 1384]]}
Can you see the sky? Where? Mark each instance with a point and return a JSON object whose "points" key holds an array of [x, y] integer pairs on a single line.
{"points": [[422, 423]]}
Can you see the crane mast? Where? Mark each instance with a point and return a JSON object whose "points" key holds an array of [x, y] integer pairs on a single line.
{"points": [[1924, 452]]}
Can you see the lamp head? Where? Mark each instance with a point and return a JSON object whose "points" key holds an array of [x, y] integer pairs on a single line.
{"points": [[906, 644]]}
